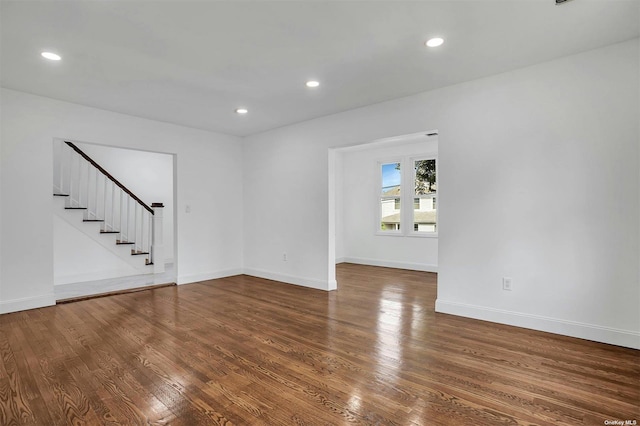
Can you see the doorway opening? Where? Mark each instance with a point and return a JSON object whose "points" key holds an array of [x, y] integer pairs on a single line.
{"points": [[113, 214], [383, 203]]}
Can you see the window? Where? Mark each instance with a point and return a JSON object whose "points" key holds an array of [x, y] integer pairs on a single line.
{"points": [[408, 182], [390, 196], [424, 187]]}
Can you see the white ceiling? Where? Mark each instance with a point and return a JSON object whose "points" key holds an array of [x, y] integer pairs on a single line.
{"points": [[194, 62]]}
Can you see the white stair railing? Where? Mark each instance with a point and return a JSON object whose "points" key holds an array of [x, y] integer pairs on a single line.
{"points": [[104, 199]]}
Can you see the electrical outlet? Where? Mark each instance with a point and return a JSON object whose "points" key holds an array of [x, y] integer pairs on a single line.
{"points": [[284, 257], [507, 283]]}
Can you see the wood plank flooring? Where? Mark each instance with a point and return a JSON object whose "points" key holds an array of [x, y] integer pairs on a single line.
{"points": [[248, 351]]}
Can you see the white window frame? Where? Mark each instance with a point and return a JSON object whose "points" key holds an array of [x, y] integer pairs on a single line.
{"points": [[411, 184], [379, 197], [407, 196]]}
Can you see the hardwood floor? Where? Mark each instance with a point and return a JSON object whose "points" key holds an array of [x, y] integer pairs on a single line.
{"points": [[248, 351]]}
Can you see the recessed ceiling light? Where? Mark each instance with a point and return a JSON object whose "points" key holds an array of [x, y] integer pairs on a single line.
{"points": [[51, 56], [312, 83], [241, 110], [434, 42]]}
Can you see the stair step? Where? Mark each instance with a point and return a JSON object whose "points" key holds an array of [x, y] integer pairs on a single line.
{"points": [[137, 253], [60, 195], [75, 208], [93, 220], [147, 263], [118, 242]]}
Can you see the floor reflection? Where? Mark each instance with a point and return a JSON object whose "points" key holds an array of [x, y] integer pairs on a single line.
{"points": [[389, 333]]}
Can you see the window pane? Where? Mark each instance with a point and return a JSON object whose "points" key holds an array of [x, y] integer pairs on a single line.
{"points": [[424, 220], [390, 214], [391, 179], [425, 182]]}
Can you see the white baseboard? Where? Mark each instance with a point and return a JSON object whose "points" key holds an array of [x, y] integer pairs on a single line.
{"points": [[194, 278], [390, 264], [25, 303], [89, 288], [290, 279], [333, 285], [597, 333], [340, 260], [113, 274]]}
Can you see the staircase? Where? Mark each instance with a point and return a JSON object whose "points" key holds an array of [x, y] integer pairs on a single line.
{"points": [[92, 200]]}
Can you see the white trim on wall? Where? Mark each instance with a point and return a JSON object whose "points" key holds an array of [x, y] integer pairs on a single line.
{"points": [[205, 276], [25, 303], [92, 288], [390, 264], [614, 336], [291, 279]]}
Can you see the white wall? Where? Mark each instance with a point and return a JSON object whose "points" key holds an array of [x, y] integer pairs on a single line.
{"points": [[358, 211], [149, 175], [1, 162], [505, 142], [286, 206], [209, 238]]}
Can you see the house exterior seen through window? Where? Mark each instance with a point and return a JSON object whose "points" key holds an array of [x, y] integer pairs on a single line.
{"points": [[390, 196], [409, 182], [425, 215]]}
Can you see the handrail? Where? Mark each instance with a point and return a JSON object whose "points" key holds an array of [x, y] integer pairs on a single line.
{"points": [[107, 174]]}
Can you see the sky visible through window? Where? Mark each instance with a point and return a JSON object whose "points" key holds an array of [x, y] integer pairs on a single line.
{"points": [[390, 176]]}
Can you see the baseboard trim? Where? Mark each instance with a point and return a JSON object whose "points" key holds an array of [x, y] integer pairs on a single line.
{"points": [[333, 285], [290, 279], [424, 267], [113, 293], [91, 288], [597, 333], [113, 274], [25, 303], [194, 278]]}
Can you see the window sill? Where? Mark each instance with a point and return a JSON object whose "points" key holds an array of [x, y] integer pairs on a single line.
{"points": [[423, 234], [411, 234]]}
